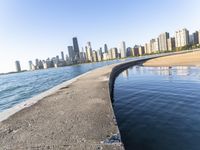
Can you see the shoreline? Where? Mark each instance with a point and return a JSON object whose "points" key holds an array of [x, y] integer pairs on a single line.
{"points": [[67, 116], [184, 59], [5, 114], [76, 114]]}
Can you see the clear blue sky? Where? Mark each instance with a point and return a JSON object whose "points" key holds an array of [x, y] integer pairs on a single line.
{"points": [[32, 29]]}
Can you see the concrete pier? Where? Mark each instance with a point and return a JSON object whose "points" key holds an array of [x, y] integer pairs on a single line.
{"points": [[78, 115]]}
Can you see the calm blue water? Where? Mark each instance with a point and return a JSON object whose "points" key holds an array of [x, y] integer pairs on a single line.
{"points": [[158, 108], [16, 88]]}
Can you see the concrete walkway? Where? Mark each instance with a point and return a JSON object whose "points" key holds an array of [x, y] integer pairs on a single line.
{"points": [[78, 116]]}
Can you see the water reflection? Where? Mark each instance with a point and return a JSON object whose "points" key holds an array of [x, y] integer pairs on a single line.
{"points": [[125, 73], [158, 108], [162, 71]]}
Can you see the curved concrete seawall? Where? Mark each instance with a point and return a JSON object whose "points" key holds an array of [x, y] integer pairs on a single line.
{"points": [[76, 115], [116, 70]]}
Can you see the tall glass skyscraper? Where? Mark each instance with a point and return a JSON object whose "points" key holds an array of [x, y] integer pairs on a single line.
{"points": [[105, 48], [76, 49], [17, 65]]}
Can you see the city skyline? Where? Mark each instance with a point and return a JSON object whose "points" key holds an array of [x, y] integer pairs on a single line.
{"points": [[28, 31], [182, 40]]}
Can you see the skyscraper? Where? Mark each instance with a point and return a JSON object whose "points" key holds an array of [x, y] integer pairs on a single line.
{"points": [[141, 50], [154, 45], [199, 36], [105, 48], [191, 39], [114, 53], [100, 54], [163, 41], [30, 65], [122, 49], [196, 37], [182, 38], [147, 48], [62, 56], [17, 66], [76, 49], [171, 44], [94, 54], [71, 53], [89, 52], [136, 50]]}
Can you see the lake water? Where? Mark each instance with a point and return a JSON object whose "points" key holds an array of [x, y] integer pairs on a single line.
{"points": [[158, 108], [18, 87]]}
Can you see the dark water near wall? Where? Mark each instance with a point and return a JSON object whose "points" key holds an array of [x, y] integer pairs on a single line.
{"points": [[158, 108]]}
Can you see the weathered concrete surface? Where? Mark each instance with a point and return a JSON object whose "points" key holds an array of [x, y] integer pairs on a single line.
{"points": [[78, 116]]}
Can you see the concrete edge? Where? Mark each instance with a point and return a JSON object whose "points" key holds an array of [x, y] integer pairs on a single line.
{"points": [[125, 65], [120, 67], [116, 70], [31, 101]]}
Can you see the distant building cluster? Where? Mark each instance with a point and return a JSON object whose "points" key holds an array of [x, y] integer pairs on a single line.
{"points": [[182, 40]]}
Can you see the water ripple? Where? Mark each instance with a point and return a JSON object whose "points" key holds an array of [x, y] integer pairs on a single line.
{"points": [[158, 108]]}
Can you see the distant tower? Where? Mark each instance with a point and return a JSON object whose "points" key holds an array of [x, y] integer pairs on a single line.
{"points": [[163, 41], [62, 55], [30, 65], [17, 65], [122, 49], [71, 53], [105, 48], [76, 49], [89, 52]]}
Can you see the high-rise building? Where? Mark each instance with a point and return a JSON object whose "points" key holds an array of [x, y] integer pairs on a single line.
{"points": [[147, 48], [141, 50], [82, 57], [122, 49], [71, 54], [89, 52], [47, 64], [136, 50], [191, 39], [94, 54], [199, 37], [100, 54], [76, 49], [163, 41], [36, 63], [196, 37], [129, 52], [106, 56], [171, 44], [30, 65], [154, 45], [62, 56], [105, 48], [114, 53], [17, 66], [182, 38]]}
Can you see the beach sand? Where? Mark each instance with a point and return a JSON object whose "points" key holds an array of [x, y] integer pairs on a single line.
{"points": [[186, 59]]}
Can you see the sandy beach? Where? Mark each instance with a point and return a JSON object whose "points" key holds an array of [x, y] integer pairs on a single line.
{"points": [[186, 59]]}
